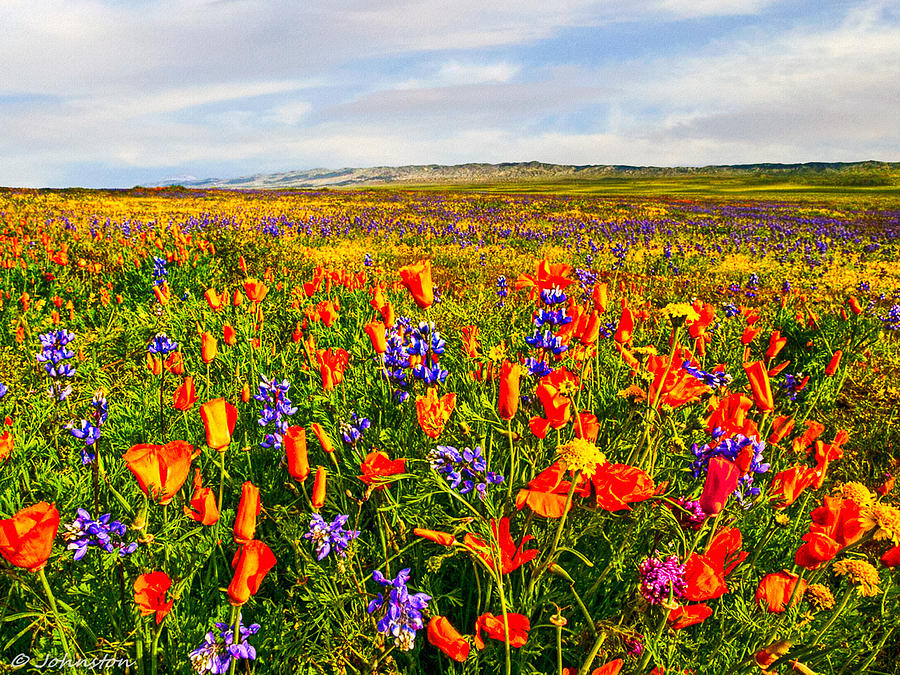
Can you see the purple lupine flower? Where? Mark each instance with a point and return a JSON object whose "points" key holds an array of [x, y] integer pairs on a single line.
{"points": [[464, 471], [161, 345], [353, 431], [84, 532], [661, 579], [403, 616], [730, 448], [217, 651], [326, 537], [712, 380], [276, 408]]}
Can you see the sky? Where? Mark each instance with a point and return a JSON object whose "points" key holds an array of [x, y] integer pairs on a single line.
{"points": [[118, 93]]}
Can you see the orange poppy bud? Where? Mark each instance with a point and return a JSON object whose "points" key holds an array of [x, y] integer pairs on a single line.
{"points": [[417, 279], [154, 364], [625, 328], [160, 469], [387, 314], [760, 386], [219, 418], [322, 437], [508, 394], [688, 615], [161, 295], [776, 344], [251, 564], [775, 591], [248, 510], [749, 335], [245, 393], [238, 298], [242, 264], [203, 503], [209, 348], [600, 296], [834, 363], [781, 427], [442, 538], [376, 332], [185, 396], [229, 335], [150, 594], [174, 363], [591, 329], [6, 444], [295, 448], [855, 307], [445, 637], [26, 539], [721, 480], [318, 494]]}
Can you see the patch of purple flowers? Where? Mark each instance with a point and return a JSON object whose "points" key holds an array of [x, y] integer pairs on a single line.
{"points": [[662, 578], [325, 536], [276, 407], [403, 611], [54, 354], [217, 651], [730, 448], [161, 345], [464, 470], [89, 430], [84, 532], [353, 430]]}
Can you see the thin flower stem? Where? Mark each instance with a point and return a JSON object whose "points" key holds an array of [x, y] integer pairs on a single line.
{"points": [[595, 649], [559, 659], [154, 651], [221, 475], [512, 459], [59, 625], [584, 610], [836, 613], [659, 632], [236, 635]]}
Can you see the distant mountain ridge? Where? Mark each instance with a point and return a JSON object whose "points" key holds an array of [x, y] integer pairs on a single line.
{"points": [[513, 172]]}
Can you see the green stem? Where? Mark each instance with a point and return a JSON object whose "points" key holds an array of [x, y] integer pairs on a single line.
{"points": [[659, 631], [59, 624], [844, 601], [236, 628], [598, 643], [584, 610], [154, 651], [221, 475], [559, 661]]}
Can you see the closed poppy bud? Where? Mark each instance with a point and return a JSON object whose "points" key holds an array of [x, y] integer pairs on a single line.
{"points": [[251, 564], [219, 418], [318, 494], [295, 448], [760, 386], [160, 470], [237, 299], [26, 539], [154, 364], [854, 306], [161, 296], [600, 296], [202, 507], [229, 335], [721, 480], [508, 395], [776, 344], [781, 427], [6, 444], [445, 637], [242, 264], [119, 298], [417, 279], [248, 509], [185, 396], [625, 328], [322, 437], [442, 538], [749, 335], [209, 347], [245, 393], [387, 314], [150, 594], [834, 363], [375, 331]]}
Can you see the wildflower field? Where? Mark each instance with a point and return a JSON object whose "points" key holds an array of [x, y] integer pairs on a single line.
{"points": [[447, 432]]}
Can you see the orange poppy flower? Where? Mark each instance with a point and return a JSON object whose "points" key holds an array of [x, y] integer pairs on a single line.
{"points": [[332, 364], [546, 275], [376, 332], [775, 590], [722, 478], [776, 344], [297, 457], [616, 485], [160, 469], [209, 348], [688, 615], [625, 328], [154, 364], [150, 594], [600, 296], [215, 300], [512, 555], [7, 442], [519, 625], [249, 509], [433, 411], [319, 487], [591, 330], [547, 492], [26, 539], [678, 385], [705, 573], [587, 426], [237, 299], [508, 395], [219, 418], [445, 637], [789, 484], [251, 564], [835, 362], [185, 395], [202, 506], [174, 363], [442, 538], [322, 437], [781, 427], [229, 335], [377, 467], [417, 279], [613, 667], [255, 290], [760, 386]]}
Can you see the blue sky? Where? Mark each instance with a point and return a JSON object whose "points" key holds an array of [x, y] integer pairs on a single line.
{"points": [[126, 92]]}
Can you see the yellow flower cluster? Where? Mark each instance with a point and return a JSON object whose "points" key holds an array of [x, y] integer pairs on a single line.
{"points": [[860, 573], [581, 455]]}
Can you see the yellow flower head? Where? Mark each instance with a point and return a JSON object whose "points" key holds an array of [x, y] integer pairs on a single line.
{"points": [[497, 353], [884, 517], [860, 573], [679, 312], [819, 596], [856, 492], [581, 455]]}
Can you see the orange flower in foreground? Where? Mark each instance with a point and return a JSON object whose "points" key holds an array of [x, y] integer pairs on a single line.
{"points": [[319, 486], [617, 484], [722, 478], [760, 386], [377, 467], [519, 625], [512, 555], [613, 667], [203, 503], [433, 412], [209, 348], [332, 364], [229, 336], [295, 449], [251, 564], [688, 615], [185, 395], [219, 418], [215, 300], [26, 539], [248, 510], [625, 328], [775, 590], [174, 363], [160, 469], [705, 573], [508, 396], [417, 279], [445, 637], [150, 594], [375, 331], [789, 484]]}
